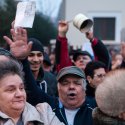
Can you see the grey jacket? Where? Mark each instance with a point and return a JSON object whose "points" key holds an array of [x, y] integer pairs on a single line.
{"points": [[41, 115]]}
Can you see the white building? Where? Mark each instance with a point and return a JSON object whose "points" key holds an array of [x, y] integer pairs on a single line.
{"points": [[108, 17]]}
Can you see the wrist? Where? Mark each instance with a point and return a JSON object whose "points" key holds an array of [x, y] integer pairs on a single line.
{"points": [[92, 39], [62, 34]]}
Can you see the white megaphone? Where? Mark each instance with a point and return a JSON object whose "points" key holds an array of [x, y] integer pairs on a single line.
{"points": [[82, 23]]}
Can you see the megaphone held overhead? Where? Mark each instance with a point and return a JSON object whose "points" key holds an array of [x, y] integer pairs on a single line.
{"points": [[82, 23]]}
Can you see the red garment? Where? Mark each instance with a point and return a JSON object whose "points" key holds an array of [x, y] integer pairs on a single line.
{"points": [[100, 53], [64, 54]]}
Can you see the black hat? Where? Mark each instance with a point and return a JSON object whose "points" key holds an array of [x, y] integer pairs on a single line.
{"points": [[37, 45], [79, 52], [70, 70]]}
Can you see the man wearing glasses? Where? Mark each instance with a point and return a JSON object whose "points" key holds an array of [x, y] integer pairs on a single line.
{"points": [[95, 72]]}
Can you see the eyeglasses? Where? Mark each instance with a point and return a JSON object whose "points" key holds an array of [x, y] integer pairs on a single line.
{"points": [[99, 75]]}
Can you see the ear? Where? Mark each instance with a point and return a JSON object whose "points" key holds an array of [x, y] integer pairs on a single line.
{"points": [[89, 79]]}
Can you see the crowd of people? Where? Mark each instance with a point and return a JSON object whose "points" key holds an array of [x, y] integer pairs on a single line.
{"points": [[82, 90]]}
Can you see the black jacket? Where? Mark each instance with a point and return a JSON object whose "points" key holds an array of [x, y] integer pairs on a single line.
{"points": [[90, 91], [35, 95], [49, 81]]}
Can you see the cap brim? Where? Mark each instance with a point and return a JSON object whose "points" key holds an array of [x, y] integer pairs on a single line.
{"points": [[70, 71]]}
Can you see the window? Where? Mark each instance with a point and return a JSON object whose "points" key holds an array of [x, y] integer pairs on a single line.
{"points": [[107, 26]]}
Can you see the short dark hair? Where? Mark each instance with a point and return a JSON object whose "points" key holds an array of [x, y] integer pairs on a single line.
{"points": [[93, 65], [10, 66]]}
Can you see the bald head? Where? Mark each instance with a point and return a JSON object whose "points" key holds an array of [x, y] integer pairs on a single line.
{"points": [[110, 94]]}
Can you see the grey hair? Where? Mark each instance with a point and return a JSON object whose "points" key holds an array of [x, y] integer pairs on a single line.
{"points": [[110, 94], [10, 66], [84, 84]]}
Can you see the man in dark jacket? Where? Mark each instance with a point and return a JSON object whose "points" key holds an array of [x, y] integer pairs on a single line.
{"points": [[72, 106], [45, 80]]}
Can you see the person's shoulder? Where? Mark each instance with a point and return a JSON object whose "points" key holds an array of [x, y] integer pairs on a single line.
{"points": [[47, 114], [49, 75], [43, 107]]}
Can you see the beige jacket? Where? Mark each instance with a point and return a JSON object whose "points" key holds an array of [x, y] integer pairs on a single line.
{"points": [[43, 114]]}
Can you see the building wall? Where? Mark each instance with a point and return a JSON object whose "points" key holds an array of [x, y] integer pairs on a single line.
{"points": [[73, 7]]}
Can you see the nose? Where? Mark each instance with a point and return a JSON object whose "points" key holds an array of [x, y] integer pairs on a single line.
{"points": [[19, 93], [71, 86], [35, 58], [81, 59]]}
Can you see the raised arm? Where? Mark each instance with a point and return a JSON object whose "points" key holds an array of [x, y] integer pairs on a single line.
{"points": [[20, 49], [19, 46], [100, 51], [62, 53]]}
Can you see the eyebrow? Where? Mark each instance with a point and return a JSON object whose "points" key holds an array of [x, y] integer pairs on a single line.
{"points": [[11, 85]]}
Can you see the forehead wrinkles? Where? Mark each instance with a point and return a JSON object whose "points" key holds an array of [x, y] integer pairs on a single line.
{"points": [[11, 81]]}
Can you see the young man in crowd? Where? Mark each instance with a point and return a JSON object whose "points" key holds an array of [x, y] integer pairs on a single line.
{"points": [[46, 80]]}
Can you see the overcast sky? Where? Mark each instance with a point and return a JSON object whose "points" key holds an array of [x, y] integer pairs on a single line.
{"points": [[47, 7]]}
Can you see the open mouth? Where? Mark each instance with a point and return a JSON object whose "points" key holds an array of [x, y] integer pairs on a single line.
{"points": [[72, 95]]}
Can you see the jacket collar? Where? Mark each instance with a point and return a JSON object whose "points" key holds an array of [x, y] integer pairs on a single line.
{"points": [[29, 114]]}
